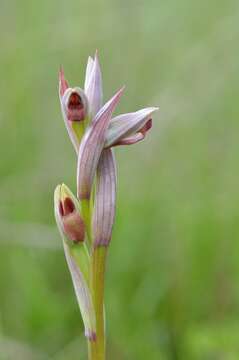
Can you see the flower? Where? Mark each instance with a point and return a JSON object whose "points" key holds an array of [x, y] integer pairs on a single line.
{"points": [[71, 227], [92, 129], [80, 106], [127, 129]]}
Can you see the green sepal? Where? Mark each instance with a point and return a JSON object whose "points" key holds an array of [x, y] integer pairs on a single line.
{"points": [[79, 128]]}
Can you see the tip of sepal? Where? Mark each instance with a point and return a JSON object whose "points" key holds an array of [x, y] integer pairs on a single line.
{"points": [[63, 84], [93, 85], [118, 93], [110, 105]]}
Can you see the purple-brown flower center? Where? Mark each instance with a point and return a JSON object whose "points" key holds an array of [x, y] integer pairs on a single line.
{"points": [[72, 222], [146, 127], [75, 101], [66, 207], [75, 107]]}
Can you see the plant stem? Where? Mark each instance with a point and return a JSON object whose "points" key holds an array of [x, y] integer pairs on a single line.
{"points": [[97, 348], [86, 213]]}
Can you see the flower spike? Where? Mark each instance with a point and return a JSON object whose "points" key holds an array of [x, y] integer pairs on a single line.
{"points": [[105, 197], [91, 147], [86, 222]]}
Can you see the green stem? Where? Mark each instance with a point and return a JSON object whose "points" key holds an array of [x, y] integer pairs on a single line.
{"points": [[86, 213], [97, 348]]}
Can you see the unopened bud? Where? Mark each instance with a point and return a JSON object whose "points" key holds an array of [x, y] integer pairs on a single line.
{"points": [[68, 215]]}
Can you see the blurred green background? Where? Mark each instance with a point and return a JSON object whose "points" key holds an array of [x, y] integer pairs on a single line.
{"points": [[172, 289]]}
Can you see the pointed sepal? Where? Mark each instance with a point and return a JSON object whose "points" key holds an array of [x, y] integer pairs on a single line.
{"points": [[93, 86], [91, 147], [105, 198]]}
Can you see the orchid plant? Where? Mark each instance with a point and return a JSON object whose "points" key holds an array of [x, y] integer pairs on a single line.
{"points": [[85, 222]]}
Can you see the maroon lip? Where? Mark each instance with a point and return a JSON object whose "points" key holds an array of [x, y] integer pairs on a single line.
{"points": [[72, 222], [146, 127], [75, 107], [67, 207], [75, 101]]}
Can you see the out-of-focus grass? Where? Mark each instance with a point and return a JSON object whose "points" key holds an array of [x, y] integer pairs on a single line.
{"points": [[173, 270]]}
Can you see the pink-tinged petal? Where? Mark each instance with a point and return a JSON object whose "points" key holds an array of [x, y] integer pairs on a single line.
{"points": [[63, 84], [92, 145], [130, 140], [126, 125], [89, 67], [139, 136], [105, 197], [146, 127], [93, 86]]}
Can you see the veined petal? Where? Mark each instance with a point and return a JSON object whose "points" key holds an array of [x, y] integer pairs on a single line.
{"points": [[139, 136], [92, 145], [133, 139], [89, 67], [83, 295], [105, 197], [93, 86], [127, 125]]}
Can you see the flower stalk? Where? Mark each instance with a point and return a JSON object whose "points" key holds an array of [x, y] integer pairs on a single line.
{"points": [[97, 287], [86, 222]]}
